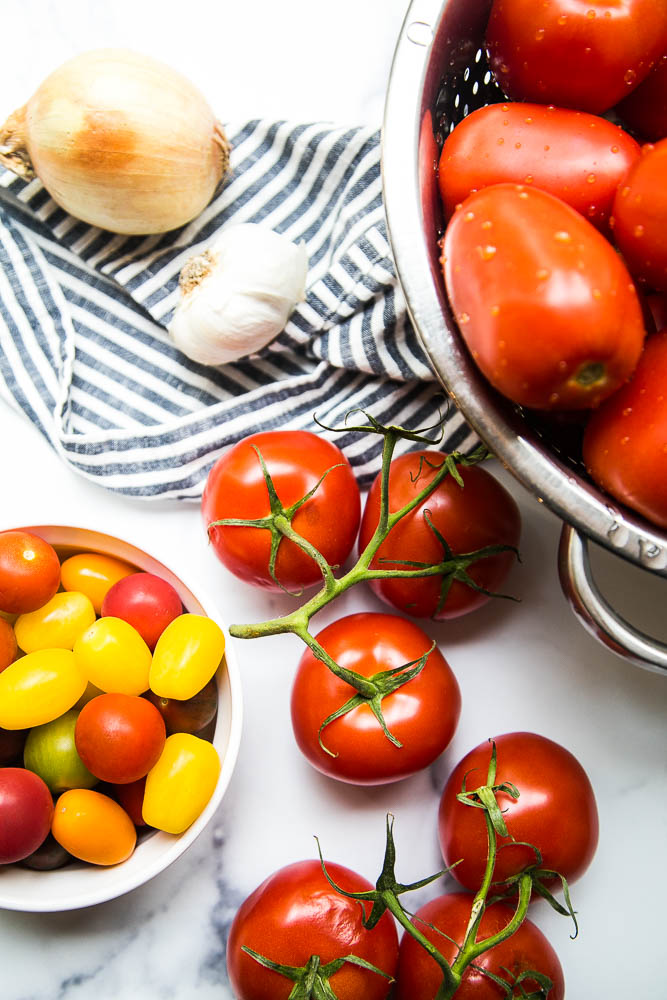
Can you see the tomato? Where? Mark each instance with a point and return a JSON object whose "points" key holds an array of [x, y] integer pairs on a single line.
{"points": [[556, 810], [625, 441], [119, 737], [480, 513], [585, 54], [131, 798], [50, 751], [113, 656], [57, 624], [186, 656], [295, 914], [645, 109], [39, 687], [12, 742], [8, 644], [92, 574], [92, 827], [190, 715], [640, 217], [26, 808], [29, 571], [48, 856], [179, 786], [581, 158], [526, 950], [543, 302], [295, 460], [422, 714], [146, 601]]}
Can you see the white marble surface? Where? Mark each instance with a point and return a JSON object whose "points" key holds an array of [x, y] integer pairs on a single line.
{"points": [[520, 666]]}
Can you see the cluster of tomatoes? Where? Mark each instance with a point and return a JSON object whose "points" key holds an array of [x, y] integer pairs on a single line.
{"points": [[555, 249], [107, 703]]}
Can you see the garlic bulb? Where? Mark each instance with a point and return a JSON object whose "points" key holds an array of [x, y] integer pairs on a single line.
{"points": [[120, 141], [237, 296]]}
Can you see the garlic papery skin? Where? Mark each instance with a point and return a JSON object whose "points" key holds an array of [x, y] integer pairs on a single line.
{"points": [[237, 295], [120, 141]]}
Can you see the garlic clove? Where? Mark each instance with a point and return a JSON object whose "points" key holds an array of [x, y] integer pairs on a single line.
{"points": [[237, 296]]}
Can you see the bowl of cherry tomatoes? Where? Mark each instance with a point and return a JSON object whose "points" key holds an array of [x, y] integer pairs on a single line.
{"points": [[120, 716], [524, 156]]}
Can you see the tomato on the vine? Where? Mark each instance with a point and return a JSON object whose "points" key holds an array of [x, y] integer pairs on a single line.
{"points": [[29, 571], [555, 812], [296, 461], [422, 714], [640, 217], [469, 517], [295, 914], [527, 950]]}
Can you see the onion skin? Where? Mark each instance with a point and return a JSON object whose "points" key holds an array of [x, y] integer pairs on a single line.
{"points": [[120, 141]]}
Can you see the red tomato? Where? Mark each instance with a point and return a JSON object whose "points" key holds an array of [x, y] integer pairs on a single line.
{"points": [[131, 798], [145, 601], [556, 810], [422, 714], [419, 976], [625, 441], [585, 54], [640, 217], [29, 572], [119, 737], [645, 109], [581, 158], [26, 810], [295, 914], [8, 646], [296, 460], [471, 517], [542, 300]]}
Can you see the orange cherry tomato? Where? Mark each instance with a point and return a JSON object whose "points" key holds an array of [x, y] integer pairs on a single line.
{"points": [[94, 574], [29, 571], [93, 828]]}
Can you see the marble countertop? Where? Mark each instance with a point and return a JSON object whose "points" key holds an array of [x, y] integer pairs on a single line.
{"points": [[528, 665]]}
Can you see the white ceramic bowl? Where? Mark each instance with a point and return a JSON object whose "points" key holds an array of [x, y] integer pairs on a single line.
{"points": [[79, 884]]}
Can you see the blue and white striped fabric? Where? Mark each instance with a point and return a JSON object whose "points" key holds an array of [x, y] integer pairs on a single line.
{"points": [[84, 351]]}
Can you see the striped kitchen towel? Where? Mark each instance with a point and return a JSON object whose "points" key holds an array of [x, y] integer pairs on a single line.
{"points": [[85, 354]]}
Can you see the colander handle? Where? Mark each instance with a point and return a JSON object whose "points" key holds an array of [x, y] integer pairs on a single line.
{"points": [[595, 613]]}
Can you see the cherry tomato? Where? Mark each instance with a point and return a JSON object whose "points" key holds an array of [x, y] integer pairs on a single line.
{"points": [[92, 827], [131, 798], [544, 303], [555, 811], [50, 752], [422, 714], [581, 158], [644, 110], [180, 785], [119, 737], [186, 656], [114, 657], [640, 217], [48, 857], [419, 976], [146, 601], [92, 574], [29, 571], [190, 715], [295, 460], [295, 914], [12, 742], [471, 517], [625, 440], [39, 687], [26, 808], [57, 624], [8, 644], [574, 53]]}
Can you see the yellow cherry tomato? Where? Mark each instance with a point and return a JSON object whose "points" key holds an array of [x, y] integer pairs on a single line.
{"points": [[57, 624], [93, 574], [186, 656], [39, 687], [179, 786], [113, 656], [93, 828]]}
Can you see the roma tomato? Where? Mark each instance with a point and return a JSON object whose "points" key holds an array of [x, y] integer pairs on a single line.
{"points": [[92, 574], [8, 644], [543, 302], [119, 737], [179, 786], [640, 217], [57, 624], [328, 520], [422, 714], [480, 513], [295, 914], [419, 976], [39, 687], [29, 571], [555, 811], [581, 158], [574, 53], [645, 109], [186, 656], [114, 657], [625, 439], [146, 601], [26, 808], [92, 827]]}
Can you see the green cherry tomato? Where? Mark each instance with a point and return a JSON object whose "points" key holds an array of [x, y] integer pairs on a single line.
{"points": [[57, 624], [50, 751], [39, 687], [186, 656], [179, 786]]}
